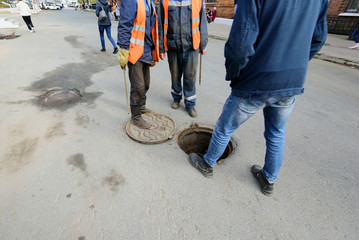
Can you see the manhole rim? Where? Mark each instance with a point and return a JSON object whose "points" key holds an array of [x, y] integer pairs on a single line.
{"points": [[206, 129]]}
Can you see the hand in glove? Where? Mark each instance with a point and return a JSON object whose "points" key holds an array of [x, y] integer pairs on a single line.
{"points": [[123, 57], [153, 64]]}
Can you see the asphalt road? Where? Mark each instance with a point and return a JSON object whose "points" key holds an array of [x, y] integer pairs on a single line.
{"points": [[73, 173]]}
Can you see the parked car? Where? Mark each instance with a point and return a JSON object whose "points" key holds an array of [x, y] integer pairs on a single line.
{"points": [[51, 6]]}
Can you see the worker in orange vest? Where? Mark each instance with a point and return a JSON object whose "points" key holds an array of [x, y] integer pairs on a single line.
{"points": [[137, 39], [182, 28]]}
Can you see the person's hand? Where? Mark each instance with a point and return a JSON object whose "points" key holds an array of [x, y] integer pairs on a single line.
{"points": [[123, 57], [162, 56], [153, 64], [202, 52]]}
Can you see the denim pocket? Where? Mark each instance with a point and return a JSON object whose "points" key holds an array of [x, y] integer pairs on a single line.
{"points": [[250, 105], [286, 101]]}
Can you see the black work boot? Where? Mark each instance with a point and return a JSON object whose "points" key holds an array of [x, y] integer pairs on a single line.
{"points": [[267, 188], [145, 110], [136, 118], [198, 162]]}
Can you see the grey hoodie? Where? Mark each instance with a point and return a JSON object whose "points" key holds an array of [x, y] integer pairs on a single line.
{"points": [[103, 4]]}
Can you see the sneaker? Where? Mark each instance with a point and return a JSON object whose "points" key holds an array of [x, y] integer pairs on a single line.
{"points": [[192, 112], [115, 51], [198, 162], [354, 47], [267, 188], [103, 50], [31, 31], [175, 104]]}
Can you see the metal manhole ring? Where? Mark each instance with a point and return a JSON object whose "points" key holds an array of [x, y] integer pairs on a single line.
{"points": [[59, 97], [162, 129]]}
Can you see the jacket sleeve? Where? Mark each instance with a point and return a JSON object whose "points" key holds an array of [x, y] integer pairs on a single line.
{"points": [[160, 20], [243, 35], [98, 9], [203, 27], [320, 32], [126, 21]]}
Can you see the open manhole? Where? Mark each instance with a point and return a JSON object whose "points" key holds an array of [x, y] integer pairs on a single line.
{"points": [[196, 139], [59, 97]]}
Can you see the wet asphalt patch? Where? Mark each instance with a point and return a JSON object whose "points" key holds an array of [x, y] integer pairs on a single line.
{"points": [[69, 82]]}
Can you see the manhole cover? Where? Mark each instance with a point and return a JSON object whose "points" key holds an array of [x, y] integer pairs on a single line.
{"points": [[196, 139], [162, 129], [59, 97]]}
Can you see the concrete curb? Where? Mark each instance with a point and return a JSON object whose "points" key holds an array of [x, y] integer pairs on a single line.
{"points": [[342, 61]]}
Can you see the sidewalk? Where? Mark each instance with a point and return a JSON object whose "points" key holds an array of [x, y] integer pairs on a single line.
{"points": [[335, 49]]}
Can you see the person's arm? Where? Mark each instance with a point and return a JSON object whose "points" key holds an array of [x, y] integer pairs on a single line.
{"points": [[240, 44], [203, 29], [160, 21], [320, 32], [98, 9], [126, 22]]}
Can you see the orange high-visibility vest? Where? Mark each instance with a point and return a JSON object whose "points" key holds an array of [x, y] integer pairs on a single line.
{"points": [[138, 35], [196, 35]]}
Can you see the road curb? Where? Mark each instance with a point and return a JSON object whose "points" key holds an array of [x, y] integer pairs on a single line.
{"points": [[342, 61]]}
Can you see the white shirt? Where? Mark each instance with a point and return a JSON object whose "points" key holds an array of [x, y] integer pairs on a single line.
{"points": [[24, 9]]}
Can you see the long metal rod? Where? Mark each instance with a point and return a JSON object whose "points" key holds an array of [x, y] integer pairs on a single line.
{"points": [[124, 77], [200, 69]]}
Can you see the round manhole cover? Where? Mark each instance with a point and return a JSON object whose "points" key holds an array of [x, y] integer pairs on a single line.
{"points": [[196, 139], [59, 97], [162, 129]]}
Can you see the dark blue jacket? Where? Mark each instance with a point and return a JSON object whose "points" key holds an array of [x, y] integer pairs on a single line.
{"points": [[126, 21], [270, 45], [107, 8], [179, 34]]}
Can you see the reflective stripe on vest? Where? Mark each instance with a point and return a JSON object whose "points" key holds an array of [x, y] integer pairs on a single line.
{"points": [[196, 8], [138, 35]]}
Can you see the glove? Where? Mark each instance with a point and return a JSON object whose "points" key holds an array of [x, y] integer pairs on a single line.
{"points": [[153, 64], [123, 57]]}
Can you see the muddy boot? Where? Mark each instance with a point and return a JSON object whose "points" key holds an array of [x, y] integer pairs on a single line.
{"points": [[145, 110], [136, 118]]}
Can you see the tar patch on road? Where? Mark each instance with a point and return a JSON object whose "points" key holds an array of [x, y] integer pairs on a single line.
{"points": [[73, 75], [114, 180], [77, 161], [19, 155], [8, 37]]}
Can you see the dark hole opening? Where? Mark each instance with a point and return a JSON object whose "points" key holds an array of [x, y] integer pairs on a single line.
{"points": [[196, 140]]}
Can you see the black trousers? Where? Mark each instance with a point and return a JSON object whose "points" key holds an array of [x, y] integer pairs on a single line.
{"points": [[139, 74], [27, 20]]}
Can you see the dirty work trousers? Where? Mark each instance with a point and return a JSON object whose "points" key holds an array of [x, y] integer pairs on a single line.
{"points": [[184, 64], [236, 111], [27, 20], [139, 74]]}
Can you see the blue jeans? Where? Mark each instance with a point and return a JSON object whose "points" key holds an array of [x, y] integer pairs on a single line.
{"points": [[356, 35], [236, 111], [102, 28], [183, 63]]}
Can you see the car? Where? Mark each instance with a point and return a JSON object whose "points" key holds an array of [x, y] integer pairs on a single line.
{"points": [[51, 6]]}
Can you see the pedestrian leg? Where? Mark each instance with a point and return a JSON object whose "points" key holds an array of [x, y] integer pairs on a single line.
{"points": [[102, 38], [27, 22], [190, 65], [275, 118], [175, 65], [235, 112]]}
